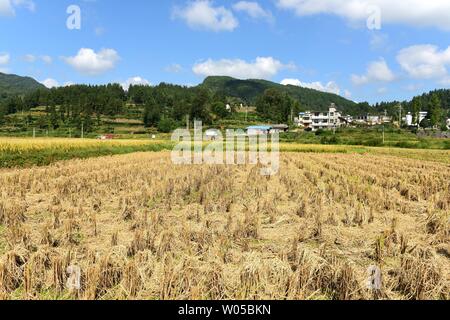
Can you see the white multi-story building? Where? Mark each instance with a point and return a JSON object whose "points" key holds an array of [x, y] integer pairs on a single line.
{"points": [[422, 115], [409, 118], [320, 120]]}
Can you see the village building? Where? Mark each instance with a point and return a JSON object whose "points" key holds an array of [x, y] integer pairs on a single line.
{"points": [[372, 120], [313, 121], [409, 118], [279, 128], [258, 130]]}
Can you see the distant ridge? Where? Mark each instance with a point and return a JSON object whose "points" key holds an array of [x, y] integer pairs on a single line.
{"points": [[11, 84], [249, 90]]}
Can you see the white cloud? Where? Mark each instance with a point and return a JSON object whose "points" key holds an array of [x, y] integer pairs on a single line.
{"points": [[377, 71], [47, 59], [413, 87], [99, 31], [135, 81], [174, 68], [261, 68], [27, 4], [4, 58], [382, 90], [29, 58], [202, 14], [445, 81], [330, 87], [425, 61], [347, 94], [253, 9], [7, 7], [91, 63], [378, 40], [432, 13], [50, 83]]}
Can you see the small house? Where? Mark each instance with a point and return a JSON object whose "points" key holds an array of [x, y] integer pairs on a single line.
{"points": [[280, 128], [106, 137], [258, 130]]}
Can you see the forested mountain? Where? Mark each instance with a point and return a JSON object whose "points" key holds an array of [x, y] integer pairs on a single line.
{"points": [[11, 85], [250, 90]]}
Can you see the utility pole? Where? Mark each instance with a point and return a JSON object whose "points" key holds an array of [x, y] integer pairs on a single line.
{"points": [[400, 116], [187, 122], [246, 113], [384, 134], [34, 133], [82, 130], [70, 132], [292, 114]]}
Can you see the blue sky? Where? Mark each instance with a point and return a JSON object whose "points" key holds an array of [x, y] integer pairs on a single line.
{"points": [[363, 49]]}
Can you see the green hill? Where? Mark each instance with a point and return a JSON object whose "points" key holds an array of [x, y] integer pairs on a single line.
{"points": [[11, 85], [249, 90]]}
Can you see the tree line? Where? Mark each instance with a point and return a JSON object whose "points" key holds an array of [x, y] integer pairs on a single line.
{"points": [[436, 103], [164, 106], [71, 106], [167, 106]]}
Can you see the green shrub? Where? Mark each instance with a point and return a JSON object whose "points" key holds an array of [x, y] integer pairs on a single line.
{"points": [[167, 125], [405, 145], [320, 132], [330, 140], [447, 144], [375, 142]]}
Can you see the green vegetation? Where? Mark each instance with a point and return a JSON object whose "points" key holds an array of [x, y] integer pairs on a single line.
{"points": [[436, 103], [18, 154], [277, 106], [12, 85], [220, 102], [369, 137], [248, 92]]}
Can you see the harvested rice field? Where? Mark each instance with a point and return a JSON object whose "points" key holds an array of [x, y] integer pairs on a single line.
{"points": [[137, 226]]}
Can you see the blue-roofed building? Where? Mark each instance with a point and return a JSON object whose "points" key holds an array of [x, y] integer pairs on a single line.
{"points": [[258, 130]]}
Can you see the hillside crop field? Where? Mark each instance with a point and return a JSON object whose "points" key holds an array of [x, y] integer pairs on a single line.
{"points": [[139, 227]]}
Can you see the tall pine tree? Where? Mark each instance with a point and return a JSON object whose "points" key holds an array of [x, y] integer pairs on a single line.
{"points": [[435, 110]]}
